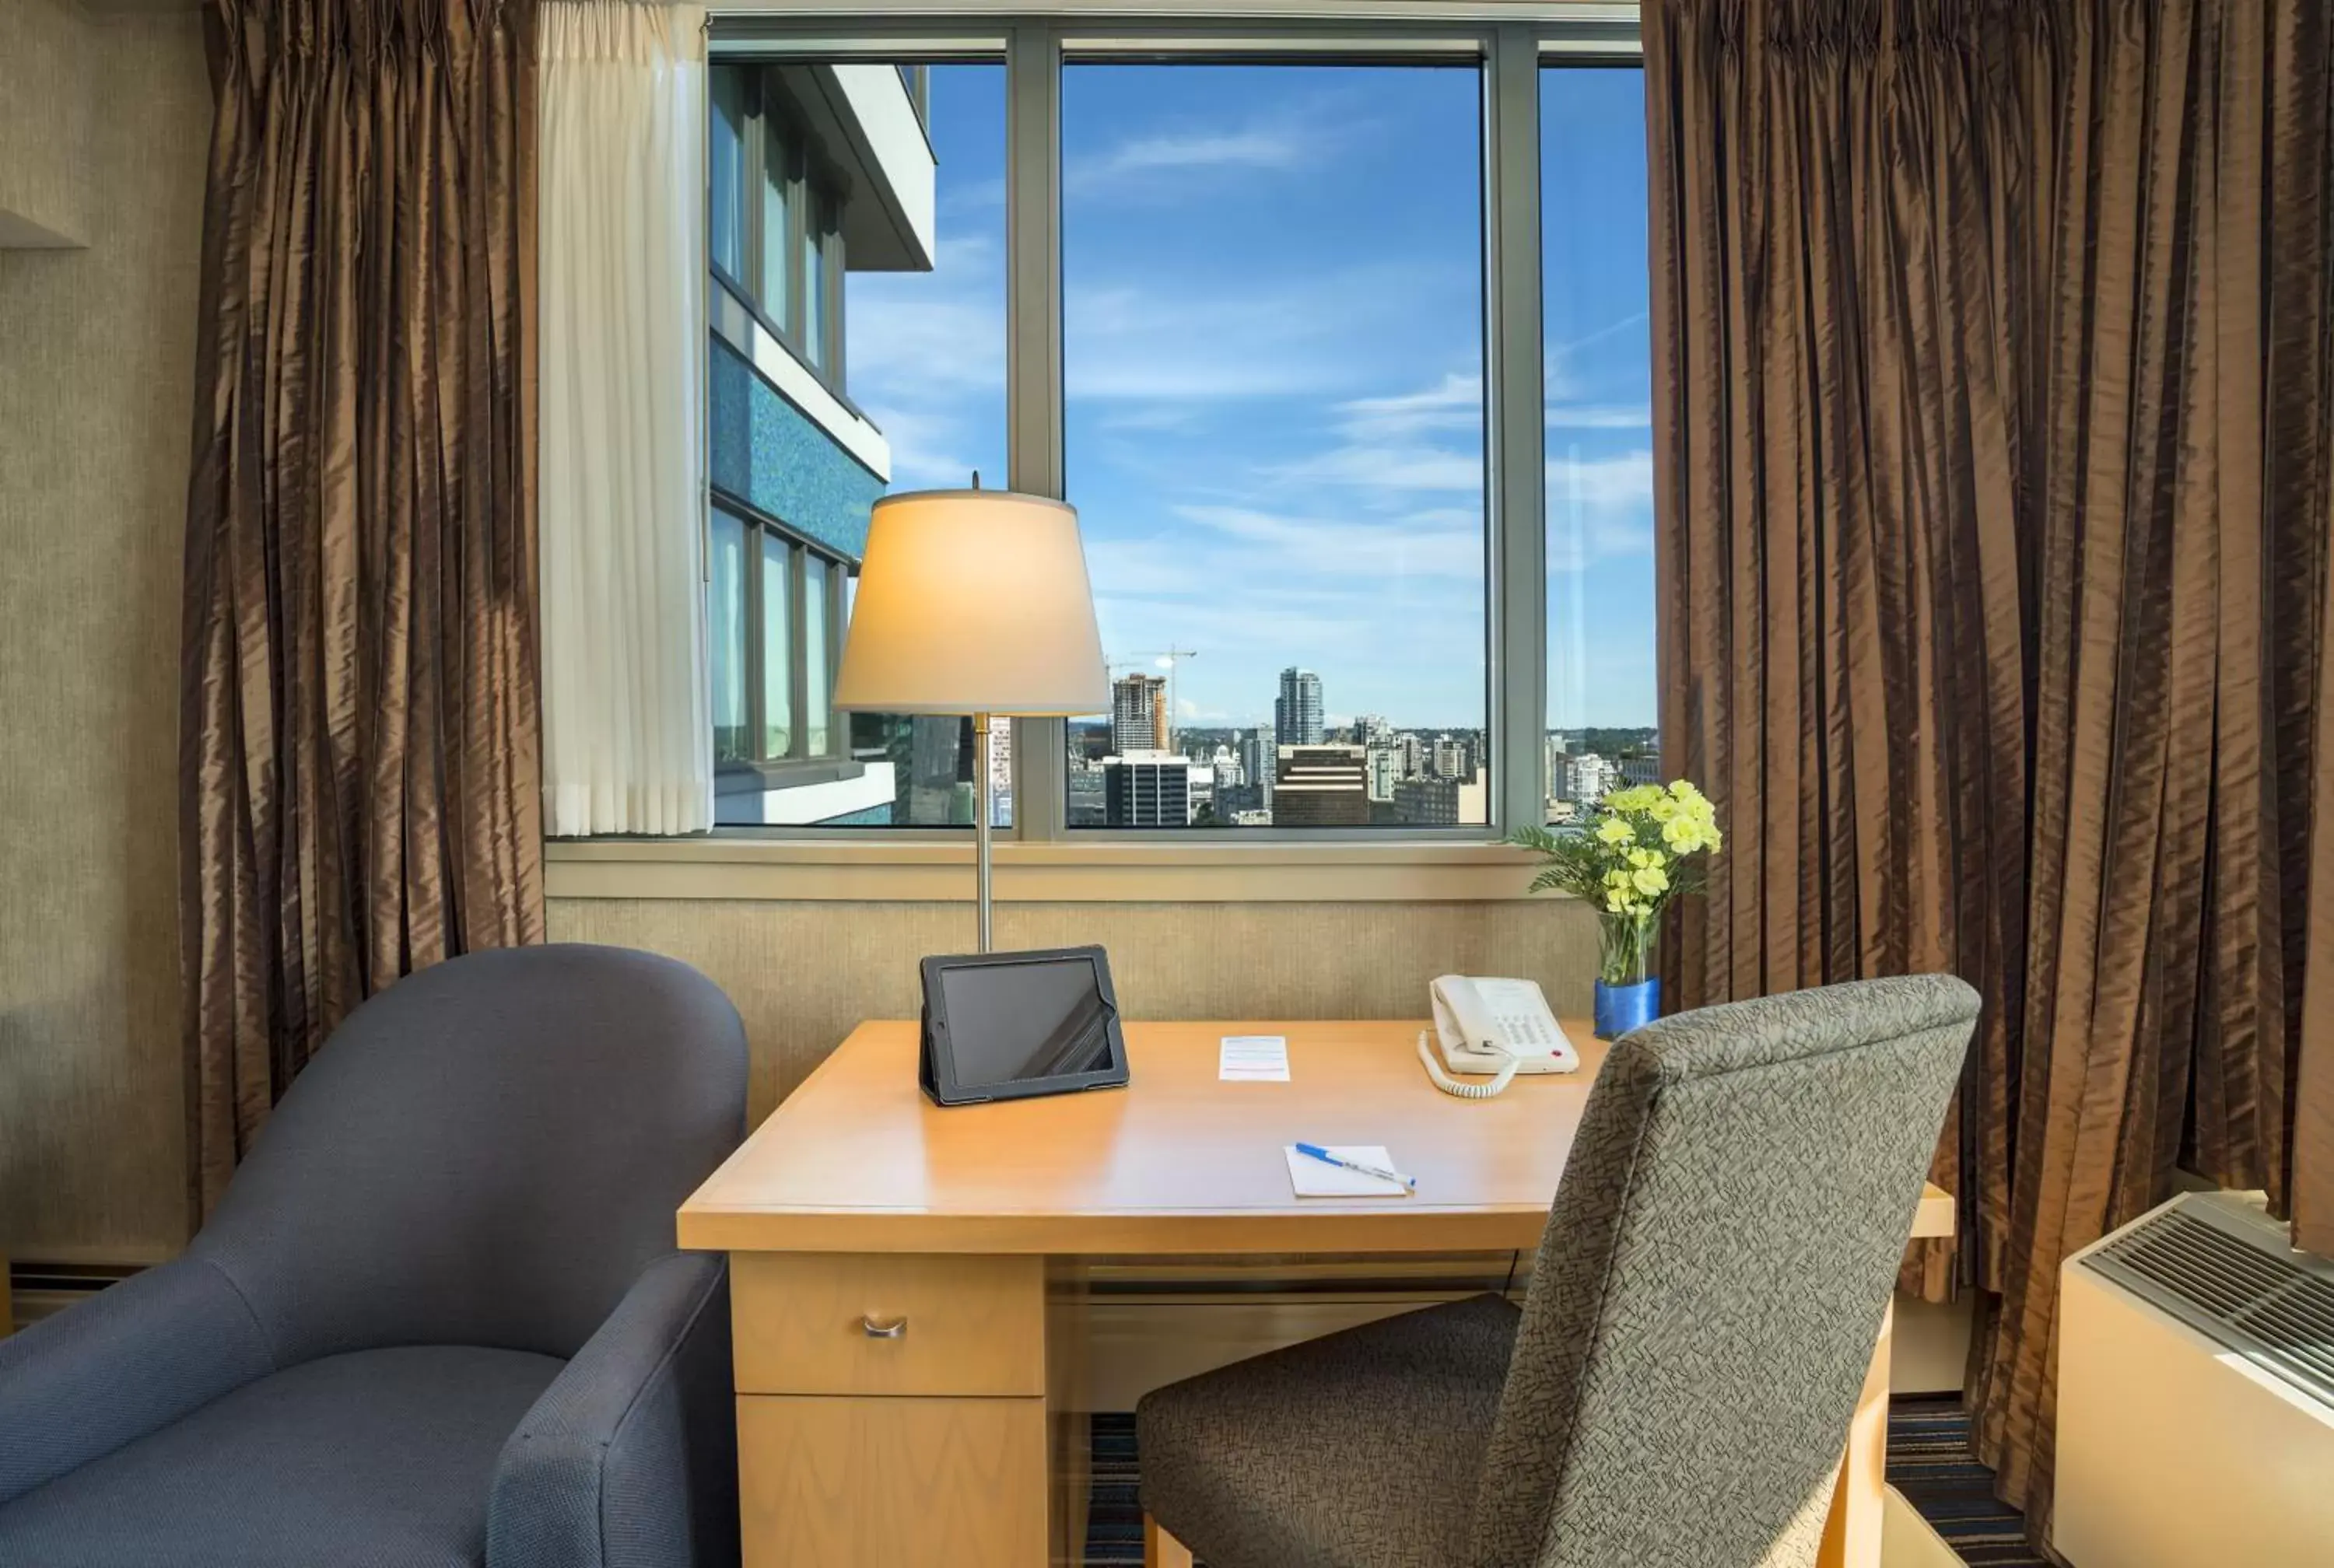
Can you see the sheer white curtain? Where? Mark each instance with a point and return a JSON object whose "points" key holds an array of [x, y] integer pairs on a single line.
{"points": [[627, 727]]}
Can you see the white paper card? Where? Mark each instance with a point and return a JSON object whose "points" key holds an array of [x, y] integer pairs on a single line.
{"points": [[1318, 1179], [1253, 1059]]}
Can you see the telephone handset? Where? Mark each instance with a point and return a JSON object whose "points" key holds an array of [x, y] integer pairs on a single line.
{"points": [[1501, 1027]]}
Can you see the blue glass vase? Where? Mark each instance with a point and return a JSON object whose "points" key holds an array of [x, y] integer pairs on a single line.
{"points": [[1621, 1008]]}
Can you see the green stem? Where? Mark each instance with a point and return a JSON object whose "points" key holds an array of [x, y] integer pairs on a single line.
{"points": [[1627, 942]]}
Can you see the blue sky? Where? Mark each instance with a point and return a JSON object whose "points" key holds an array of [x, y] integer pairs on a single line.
{"points": [[1273, 346]]}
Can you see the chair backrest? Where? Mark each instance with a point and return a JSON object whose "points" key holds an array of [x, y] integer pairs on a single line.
{"points": [[1713, 1279], [487, 1153]]}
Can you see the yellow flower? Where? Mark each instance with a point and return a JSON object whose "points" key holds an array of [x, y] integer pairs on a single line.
{"points": [[1652, 882], [1614, 831], [1683, 790], [1617, 901]]}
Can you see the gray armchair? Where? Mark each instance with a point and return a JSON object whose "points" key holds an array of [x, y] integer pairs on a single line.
{"points": [[438, 1320], [1676, 1390]]}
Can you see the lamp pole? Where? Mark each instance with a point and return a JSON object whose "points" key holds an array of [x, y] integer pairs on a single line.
{"points": [[983, 806]]}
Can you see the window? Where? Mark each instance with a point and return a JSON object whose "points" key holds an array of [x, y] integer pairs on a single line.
{"points": [[779, 658], [874, 239], [1271, 332], [785, 666], [725, 166], [1273, 343], [1598, 369], [779, 178], [818, 239], [774, 236], [726, 618]]}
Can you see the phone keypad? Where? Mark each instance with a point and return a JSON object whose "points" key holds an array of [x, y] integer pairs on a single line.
{"points": [[1526, 1029]]}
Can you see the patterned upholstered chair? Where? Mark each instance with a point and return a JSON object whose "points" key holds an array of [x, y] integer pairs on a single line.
{"points": [[1676, 1390], [438, 1319]]}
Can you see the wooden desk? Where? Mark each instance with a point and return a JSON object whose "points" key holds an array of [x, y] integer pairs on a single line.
{"points": [[858, 1207]]}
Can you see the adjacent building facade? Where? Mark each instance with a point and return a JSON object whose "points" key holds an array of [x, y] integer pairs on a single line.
{"points": [[813, 170]]}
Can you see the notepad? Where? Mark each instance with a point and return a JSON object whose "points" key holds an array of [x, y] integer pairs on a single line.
{"points": [[1253, 1059], [1317, 1179]]}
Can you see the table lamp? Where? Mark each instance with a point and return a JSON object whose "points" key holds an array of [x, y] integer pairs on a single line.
{"points": [[973, 601]]}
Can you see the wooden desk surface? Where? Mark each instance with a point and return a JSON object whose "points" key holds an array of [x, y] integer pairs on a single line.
{"points": [[858, 1160]]}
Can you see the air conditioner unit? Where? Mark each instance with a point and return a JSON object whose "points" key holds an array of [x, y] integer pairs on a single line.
{"points": [[2196, 1394]]}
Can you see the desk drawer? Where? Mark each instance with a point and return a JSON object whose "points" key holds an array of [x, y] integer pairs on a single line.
{"points": [[966, 1325], [892, 1482]]}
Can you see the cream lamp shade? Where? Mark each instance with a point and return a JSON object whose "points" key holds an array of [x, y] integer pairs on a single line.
{"points": [[973, 601]]}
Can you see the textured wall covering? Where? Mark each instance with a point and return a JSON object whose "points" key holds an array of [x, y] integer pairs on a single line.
{"points": [[767, 452], [96, 383], [804, 974], [47, 112]]}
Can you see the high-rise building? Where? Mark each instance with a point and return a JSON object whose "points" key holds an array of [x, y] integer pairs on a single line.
{"points": [[1138, 713], [1372, 729], [1642, 768], [1386, 771], [1297, 715], [1257, 753], [1147, 792], [1321, 786], [1454, 757]]}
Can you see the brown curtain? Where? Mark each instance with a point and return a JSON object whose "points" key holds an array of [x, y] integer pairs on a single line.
{"points": [[1993, 426], [359, 755]]}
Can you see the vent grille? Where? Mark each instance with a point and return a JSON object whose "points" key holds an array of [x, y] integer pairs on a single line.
{"points": [[2277, 1315]]}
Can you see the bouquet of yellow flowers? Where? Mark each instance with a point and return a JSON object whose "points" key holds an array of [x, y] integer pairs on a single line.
{"points": [[1638, 851]]}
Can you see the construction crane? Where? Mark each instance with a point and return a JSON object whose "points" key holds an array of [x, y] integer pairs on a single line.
{"points": [[1165, 658]]}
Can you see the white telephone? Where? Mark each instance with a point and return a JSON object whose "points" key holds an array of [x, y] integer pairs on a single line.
{"points": [[1501, 1027]]}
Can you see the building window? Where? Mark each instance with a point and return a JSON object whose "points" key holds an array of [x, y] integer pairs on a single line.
{"points": [[1273, 343], [726, 619], [1601, 722], [778, 660], [775, 234], [725, 169], [781, 176]]}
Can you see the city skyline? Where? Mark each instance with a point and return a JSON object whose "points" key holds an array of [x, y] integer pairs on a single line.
{"points": [[1276, 451]]}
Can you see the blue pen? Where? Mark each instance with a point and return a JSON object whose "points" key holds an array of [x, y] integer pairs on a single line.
{"points": [[1408, 1183]]}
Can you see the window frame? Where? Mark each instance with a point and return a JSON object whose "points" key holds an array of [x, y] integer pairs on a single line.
{"points": [[1509, 51]]}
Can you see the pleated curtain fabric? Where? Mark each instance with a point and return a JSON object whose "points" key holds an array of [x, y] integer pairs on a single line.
{"points": [[1995, 442], [627, 722], [360, 782]]}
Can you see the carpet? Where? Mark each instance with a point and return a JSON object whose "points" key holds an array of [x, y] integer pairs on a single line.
{"points": [[1929, 1460]]}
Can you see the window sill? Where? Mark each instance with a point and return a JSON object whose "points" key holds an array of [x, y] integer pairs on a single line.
{"points": [[917, 871]]}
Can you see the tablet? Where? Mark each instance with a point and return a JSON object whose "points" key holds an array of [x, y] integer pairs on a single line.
{"points": [[1010, 1026]]}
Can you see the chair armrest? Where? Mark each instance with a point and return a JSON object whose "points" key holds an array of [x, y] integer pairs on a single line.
{"points": [[629, 1459], [130, 1361]]}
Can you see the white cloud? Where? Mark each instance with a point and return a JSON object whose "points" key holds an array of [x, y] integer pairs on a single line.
{"points": [[1294, 137], [1394, 471]]}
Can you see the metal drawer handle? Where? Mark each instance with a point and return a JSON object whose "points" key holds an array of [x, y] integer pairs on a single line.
{"points": [[886, 1328]]}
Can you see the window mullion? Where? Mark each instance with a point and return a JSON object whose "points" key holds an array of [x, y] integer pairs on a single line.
{"points": [[1034, 397], [1516, 423]]}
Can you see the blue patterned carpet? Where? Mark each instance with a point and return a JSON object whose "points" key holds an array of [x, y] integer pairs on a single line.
{"points": [[1929, 1461]]}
